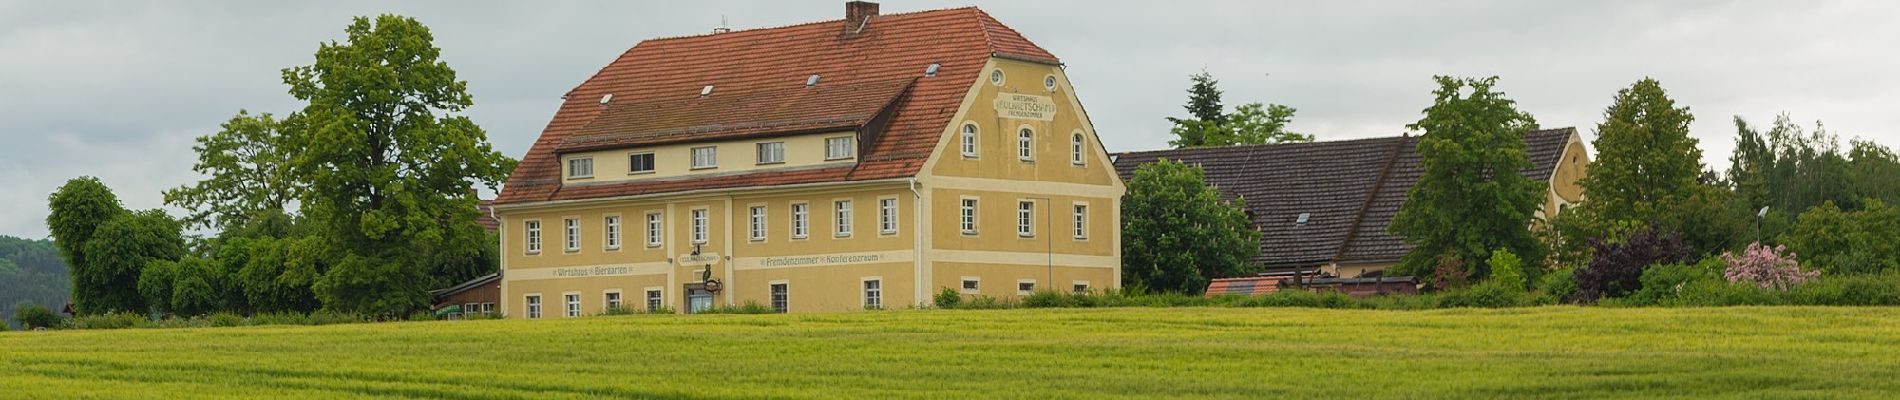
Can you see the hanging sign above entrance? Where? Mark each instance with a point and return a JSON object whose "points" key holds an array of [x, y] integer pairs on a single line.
{"points": [[699, 259], [1024, 106]]}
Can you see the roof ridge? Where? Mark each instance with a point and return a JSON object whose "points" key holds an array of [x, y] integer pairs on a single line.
{"points": [[801, 24], [1372, 193], [989, 39]]}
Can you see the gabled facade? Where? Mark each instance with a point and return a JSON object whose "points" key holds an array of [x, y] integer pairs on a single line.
{"points": [[865, 162], [1326, 205]]}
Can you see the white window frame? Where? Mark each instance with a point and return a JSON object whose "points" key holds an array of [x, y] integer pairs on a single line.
{"points": [[572, 300], [656, 229], [887, 215], [656, 298], [970, 135], [611, 225], [756, 222], [1049, 82], [801, 220], [611, 298], [1084, 285], [571, 232], [780, 302], [1026, 143], [701, 225], [966, 214], [1078, 147], [1080, 210], [532, 240], [1019, 286], [710, 159], [842, 217], [653, 163], [532, 303], [1026, 218], [834, 152], [770, 153], [574, 167], [970, 285], [873, 297]]}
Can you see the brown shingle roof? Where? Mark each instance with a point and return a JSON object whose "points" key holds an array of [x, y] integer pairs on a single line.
{"points": [[671, 71], [1350, 191]]}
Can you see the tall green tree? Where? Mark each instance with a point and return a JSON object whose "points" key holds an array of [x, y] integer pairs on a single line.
{"points": [[118, 254], [1177, 234], [1471, 197], [1251, 123], [397, 164], [1646, 161], [78, 209], [247, 169]]}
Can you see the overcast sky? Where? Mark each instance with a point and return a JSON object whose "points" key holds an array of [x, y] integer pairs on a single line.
{"points": [[119, 89]]}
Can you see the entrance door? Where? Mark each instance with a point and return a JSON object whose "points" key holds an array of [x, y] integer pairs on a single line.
{"points": [[698, 300]]}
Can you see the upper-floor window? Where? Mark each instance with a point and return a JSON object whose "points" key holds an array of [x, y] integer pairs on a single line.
{"points": [[534, 236], [1081, 221], [654, 229], [771, 153], [969, 140], [700, 226], [573, 230], [967, 216], [613, 231], [705, 157], [1025, 218], [839, 148], [887, 216], [639, 163], [1049, 82], [843, 217], [801, 220], [756, 217], [578, 168], [1077, 144], [1026, 144]]}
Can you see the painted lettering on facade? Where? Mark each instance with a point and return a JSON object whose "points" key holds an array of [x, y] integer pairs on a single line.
{"points": [[592, 271], [1024, 106], [800, 261], [699, 259]]}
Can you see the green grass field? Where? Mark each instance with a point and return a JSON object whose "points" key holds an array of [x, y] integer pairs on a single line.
{"points": [[1552, 352]]}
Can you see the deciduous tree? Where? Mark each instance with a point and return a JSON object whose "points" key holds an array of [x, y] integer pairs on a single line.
{"points": [[1177, 233], [247, 169], [1471, 197]]}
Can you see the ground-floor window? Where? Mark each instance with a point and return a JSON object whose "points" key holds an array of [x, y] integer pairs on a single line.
{"points": [[488, 308], [653, 300], [534, 306], [780, 297], [873, 293], [970, 284], [573, 304], [1025, 286], [698, 300], [1081, 288], [613, 300]]}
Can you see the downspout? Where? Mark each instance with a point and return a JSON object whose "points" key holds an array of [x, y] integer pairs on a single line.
{"points": [[917, 239]]}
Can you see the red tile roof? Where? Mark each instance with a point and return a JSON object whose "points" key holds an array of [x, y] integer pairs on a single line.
{"points": [[1245, 286], [828, 108], [671, 71]]}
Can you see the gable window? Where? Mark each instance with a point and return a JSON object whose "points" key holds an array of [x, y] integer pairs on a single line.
{"points": [[1026, 144], [573, 234], [887, 216], [838, 148], [653, 229], [1025, 215], [966, 216], [781, 297], [534, 306], [772, 153], [613, 232], [580, 168], [1076, 146], [843, 217], [756, 216], [873, 293], [573, 304], [705, 157], [653, 299], [801, 220], [639, 163], [700, 226], [969, 140], [1081, 221], [1049, 82], [534, 236]]}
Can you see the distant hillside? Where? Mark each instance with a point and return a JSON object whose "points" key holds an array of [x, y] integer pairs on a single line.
{"points": [[31, 271]]}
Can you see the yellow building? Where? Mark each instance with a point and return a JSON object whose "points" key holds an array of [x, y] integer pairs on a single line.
{"points": [[866, 162]]}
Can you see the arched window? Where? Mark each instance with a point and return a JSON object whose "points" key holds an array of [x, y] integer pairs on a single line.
{"points": [[1025, 145], [1076, 144], [969, 140]]}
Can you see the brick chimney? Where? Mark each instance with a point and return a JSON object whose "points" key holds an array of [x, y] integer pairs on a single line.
{"points": [[857, 14]]}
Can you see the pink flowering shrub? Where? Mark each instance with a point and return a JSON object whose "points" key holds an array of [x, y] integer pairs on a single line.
{"points": [[1766, 267]]}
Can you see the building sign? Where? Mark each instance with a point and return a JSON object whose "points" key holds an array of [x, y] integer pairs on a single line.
{"points": [[604, 270], [815, 260], [588, 271], [699, 259], [1023, 106]]}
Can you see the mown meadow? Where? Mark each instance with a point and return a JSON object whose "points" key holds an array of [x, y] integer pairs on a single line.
{"points": [[1196, 352]]}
